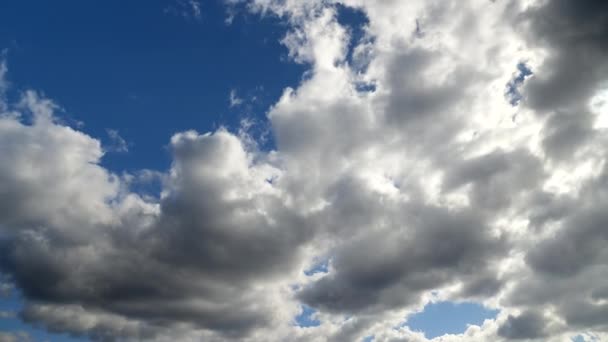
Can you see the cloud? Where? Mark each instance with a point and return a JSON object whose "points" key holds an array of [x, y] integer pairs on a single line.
{"points": [[189, 9], [574, 34], [118, 143], [388, 268], [574, 39], [3, 81], [6, 314], [529, 325], [429, 186], [219, 231], [234, 99]]}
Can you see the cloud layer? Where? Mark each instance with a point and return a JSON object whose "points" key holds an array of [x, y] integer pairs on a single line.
{"points": [[403, 163]]}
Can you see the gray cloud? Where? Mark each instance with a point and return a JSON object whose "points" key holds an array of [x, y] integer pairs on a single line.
{"points": [[528, 325], [390, 267], [575, 34], [133, 266], [569, 268], [496, 178], [578, 245]]}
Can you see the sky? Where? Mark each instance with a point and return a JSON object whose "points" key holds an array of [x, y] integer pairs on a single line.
{"points": [[272, 170]]}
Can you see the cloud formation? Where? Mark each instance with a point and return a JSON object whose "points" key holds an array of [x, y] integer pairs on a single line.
{"points": [[399, 162]]}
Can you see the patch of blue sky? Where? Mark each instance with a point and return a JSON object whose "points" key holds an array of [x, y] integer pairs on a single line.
{"points": [[307, 318], [442, 318], [320, 267], [365, 87], [355, 20], [585, 338], [513, 93], [144, 72]]}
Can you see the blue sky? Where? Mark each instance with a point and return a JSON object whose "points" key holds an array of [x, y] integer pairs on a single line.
{"points": [[437, 319], [402, 150], [146, 71]]}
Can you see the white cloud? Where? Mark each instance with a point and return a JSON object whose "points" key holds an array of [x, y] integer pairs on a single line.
{"points": [[235, 101]]}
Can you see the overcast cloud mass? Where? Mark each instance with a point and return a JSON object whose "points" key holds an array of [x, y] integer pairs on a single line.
{"points": [[455, 151]]}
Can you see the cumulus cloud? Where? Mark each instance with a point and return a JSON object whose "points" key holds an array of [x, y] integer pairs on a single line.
{"points": [[87, 239], [529, 325], [428, 185]]}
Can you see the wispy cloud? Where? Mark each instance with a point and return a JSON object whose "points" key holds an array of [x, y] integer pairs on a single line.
{"points": [[234, 99], [117, 143], [190, 9]]}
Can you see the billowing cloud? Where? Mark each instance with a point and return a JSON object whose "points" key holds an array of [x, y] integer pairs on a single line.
{"points": [[203, 255], [400, 163], [529, 325]]}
